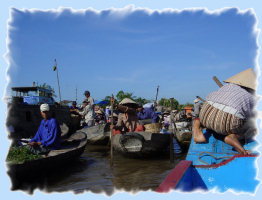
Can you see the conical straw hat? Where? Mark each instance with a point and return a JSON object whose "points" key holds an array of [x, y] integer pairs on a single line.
{"points": [[245, 78], [127, 101]]}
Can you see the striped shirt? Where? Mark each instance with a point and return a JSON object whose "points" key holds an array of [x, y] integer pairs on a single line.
{"points": [[236, 97]]}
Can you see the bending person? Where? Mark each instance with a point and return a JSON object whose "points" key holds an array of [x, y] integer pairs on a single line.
{"points": [[228, 110]]}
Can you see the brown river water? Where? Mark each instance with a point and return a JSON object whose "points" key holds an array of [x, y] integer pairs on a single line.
{"points": [[92, 173]]}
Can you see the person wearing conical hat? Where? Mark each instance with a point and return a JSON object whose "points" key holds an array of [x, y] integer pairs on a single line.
{"points": [[227, 110], [127, 117], [99, 117]]}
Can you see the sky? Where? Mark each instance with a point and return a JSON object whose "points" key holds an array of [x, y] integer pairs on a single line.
{"points": [[196, 44], [130, 49]]}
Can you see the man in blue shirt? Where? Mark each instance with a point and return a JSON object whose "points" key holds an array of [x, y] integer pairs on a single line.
{"points": [[48, 136], [147, 113]]}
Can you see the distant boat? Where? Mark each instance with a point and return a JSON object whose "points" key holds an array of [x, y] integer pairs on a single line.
{"points": [[23, 111], [214, 165], [98, 134]]}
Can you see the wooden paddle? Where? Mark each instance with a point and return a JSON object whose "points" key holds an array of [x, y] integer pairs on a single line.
{"points": [[157, 93], [171, 152], [111, 131], [201, 98], [217, 81]]}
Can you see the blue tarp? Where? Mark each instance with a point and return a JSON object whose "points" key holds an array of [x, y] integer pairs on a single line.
{"points": [[101, 102]]}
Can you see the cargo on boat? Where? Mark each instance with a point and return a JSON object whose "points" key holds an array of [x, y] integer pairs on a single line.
{"points": [[70, 150]]}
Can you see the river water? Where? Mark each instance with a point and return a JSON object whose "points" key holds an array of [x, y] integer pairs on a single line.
{"points": [[92, 172]]}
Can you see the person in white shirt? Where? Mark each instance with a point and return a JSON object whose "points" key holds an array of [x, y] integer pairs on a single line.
{"points": [[87, 114]]}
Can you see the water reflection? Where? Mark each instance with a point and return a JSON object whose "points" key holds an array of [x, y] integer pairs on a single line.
{"points": [[92, 172]]}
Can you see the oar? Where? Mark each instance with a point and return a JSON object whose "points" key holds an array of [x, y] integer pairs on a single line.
{"points": [[201, 98], [171, 153], [111, 132], [157, 93], [217, 81]]}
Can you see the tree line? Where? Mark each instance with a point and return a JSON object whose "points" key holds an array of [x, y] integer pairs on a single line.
{"points": [[162, 102]]}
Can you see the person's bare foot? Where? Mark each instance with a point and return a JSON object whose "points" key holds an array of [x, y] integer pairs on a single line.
{"points": [[232, 139], [197, 133]]}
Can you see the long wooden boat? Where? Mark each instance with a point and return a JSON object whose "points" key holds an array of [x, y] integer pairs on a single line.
{"points": [[141, 144], [98, 134], [214, 165], [71, 149]]}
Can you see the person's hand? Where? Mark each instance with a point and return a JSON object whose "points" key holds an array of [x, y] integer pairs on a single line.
{"points": [[31, 143], [112, 126]]}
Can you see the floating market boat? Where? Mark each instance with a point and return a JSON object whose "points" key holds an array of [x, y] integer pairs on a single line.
{"points": [[23, 112], [141, 144], [214, 165], [98, 134], [71, 149]]}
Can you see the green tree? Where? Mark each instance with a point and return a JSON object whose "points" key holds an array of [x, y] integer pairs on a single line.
{"points": [[121, 95], [141, 100], [46, 86], [167, 103]]}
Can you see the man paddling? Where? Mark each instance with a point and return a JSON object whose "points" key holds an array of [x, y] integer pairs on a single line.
{"points": [[48, 135], [227, 110]]}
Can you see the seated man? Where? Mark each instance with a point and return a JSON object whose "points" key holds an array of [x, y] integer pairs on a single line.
{"points": [[73, 108], [48, 135], [127, 117], [227, 110], [87, 114], [99, 117], [147, 113]]}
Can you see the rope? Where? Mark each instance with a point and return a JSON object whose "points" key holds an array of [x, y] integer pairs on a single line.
{"points": [[205, 152]]}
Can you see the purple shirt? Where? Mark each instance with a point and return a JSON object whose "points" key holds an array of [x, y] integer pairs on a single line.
{"points": [[236, 97], [148, 113], [49, 134]]}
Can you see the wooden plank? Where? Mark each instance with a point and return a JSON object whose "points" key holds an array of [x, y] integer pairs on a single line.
{"points": [[174, 176]]}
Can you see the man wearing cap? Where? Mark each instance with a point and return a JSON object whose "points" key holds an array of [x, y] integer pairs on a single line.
{"points": [[48, 135], [89, 99], [228, 109], [87, 114], [127, 117]]}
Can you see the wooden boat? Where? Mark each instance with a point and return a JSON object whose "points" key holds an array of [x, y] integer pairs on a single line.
{"points": [[98, 134], [214, 165], [71, 149], [141, 144]]}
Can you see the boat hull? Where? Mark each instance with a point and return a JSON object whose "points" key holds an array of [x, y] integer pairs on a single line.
{"points": [[71, 149], [215, 165], [141, 144], [97, 135]]}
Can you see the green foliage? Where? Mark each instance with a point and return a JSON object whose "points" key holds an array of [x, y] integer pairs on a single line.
{"points": [[167, 103], [20, 154], [141, 100], [185, 105], [121, 95], [46, 86]]}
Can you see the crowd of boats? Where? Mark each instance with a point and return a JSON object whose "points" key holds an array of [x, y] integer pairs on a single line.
{"points": [[170, 135]]}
